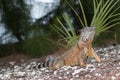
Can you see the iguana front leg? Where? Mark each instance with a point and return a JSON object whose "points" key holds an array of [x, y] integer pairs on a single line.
{"points": [[92, 53], [95, 55]]}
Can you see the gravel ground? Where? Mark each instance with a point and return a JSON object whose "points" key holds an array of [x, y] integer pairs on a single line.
{"points": [[108, 69]]}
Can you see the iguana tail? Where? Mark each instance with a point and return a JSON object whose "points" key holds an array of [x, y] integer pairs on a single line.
{"points": [[49, 62]]}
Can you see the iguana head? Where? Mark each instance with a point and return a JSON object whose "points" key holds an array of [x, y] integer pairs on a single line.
{"points": [[87, 34]]}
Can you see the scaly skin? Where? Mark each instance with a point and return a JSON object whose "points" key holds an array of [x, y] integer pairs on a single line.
{"points": [[77, 54]]}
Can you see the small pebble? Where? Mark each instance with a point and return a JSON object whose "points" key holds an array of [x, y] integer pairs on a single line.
{"points": [[12, 63], [76, 72], [113, 78], [97, 74]]}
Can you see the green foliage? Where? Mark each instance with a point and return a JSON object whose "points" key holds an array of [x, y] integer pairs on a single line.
{"points": [[84, 20], [38, 46], [106, 15], [67, 32]]}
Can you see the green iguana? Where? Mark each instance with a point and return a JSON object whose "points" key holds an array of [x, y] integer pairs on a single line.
{"points": [[77, 54]]}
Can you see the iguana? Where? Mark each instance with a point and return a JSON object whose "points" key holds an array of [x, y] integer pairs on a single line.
{"points": [[77, 54]]}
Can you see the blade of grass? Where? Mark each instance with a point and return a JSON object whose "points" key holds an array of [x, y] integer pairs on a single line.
{"points": [[76, 14], [64, 27], [83, 13], [102, 10], [96, 11], [106, 28], [58, 30], [94, 5], [111, 15], [107, 24], [67, 19], [106, 11]]}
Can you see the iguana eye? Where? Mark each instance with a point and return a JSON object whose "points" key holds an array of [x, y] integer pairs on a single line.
{"points": [[84, 39]]}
